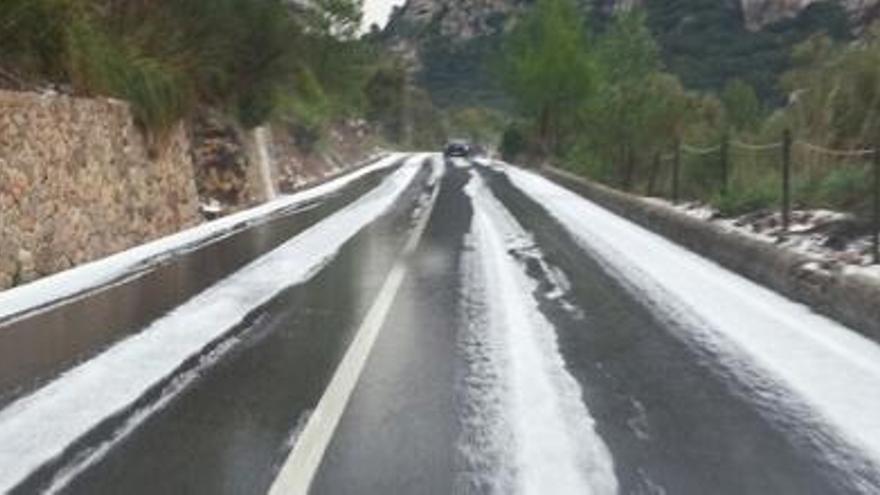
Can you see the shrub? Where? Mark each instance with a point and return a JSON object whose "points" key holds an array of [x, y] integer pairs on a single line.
{"points": [[740, 201], [847, 188], [513, 143], [158, 92]]}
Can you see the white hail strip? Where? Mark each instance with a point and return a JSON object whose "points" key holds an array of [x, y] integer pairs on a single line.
{"points": [[89, 276], [810, 358], [460, 162], [300, 467], [555, 444], [39, 427]]}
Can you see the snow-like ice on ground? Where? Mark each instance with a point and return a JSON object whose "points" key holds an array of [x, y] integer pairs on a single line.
{"points": [[55, 288], [811, 232], [797, 356], [460, 162], [39, 427], [554, 446]]}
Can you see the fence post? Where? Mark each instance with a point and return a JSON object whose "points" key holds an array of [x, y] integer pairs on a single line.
{"points": [[655, 171], [786, 180], [877, 205], [725, 148], [676, 172]]}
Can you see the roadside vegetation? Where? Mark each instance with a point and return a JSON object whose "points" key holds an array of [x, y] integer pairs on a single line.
{"points": [[596, 97], [252, 59]]}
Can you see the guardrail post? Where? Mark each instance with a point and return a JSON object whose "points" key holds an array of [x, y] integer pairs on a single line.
{"points": [[876, 206], [725, 149], [676, 172], [786, 180]]}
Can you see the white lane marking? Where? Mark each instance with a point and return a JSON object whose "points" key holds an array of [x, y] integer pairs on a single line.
{"points": [[39, 427], [298, 471]]}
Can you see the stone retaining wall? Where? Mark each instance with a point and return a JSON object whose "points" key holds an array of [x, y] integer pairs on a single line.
{"points": [[78, 182], [851, 298]]}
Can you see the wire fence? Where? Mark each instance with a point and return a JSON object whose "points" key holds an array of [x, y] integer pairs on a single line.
{"points": [[788, 173]]}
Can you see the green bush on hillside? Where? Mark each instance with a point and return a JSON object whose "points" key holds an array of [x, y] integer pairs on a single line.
{"points": [[166, 57]]}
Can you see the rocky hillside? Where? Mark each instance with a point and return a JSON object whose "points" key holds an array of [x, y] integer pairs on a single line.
{"points": [[761, 13], [452, 44]]}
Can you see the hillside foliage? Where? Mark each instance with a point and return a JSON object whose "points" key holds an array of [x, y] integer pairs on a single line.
{"points": [[705, 43], [166, 57], [633, 112]]}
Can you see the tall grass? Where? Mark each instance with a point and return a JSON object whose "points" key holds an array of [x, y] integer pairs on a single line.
{"points": [[159, 92]]}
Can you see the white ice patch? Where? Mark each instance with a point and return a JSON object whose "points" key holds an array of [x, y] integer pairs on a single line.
{"points": [[485, 447], [799, 354], [63, 285], [460, 162], [438, 169], [38, 428], [554, 443]]}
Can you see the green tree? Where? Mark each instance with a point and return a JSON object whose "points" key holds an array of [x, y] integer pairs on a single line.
{"points": [[835, 91], [637, 109], [385, 94], [627, 51], [549, 70], [741, 105], [513, 143], [479, 125]]}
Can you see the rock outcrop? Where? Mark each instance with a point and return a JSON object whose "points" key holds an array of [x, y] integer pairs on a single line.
{"points": [[459, 20], [299, 162], [456, 19], [760, 13], [221, 161]]}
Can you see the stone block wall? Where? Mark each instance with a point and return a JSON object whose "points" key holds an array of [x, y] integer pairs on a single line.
{"points": [[79, 181]]}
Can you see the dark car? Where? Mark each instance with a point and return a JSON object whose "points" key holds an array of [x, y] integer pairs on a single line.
{"points": [[457, 149]]}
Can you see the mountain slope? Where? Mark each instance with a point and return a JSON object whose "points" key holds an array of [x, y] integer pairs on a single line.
{"points": [[452, 44]]}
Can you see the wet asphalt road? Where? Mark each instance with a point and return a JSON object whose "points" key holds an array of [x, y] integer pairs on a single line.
{"points": [[399, 431], [33, 349], [230, 430], [672, 424], [673, 421]]}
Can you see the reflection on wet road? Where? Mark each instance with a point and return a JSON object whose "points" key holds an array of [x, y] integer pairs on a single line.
{"points": [[517, 357]]}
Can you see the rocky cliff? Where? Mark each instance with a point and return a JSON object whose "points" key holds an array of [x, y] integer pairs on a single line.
{"points": [[466, 20], [760, 13], [454, 18], [449, 45]]}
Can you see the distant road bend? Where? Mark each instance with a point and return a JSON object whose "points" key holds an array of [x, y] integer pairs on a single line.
{"points": [[420, 326]]}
